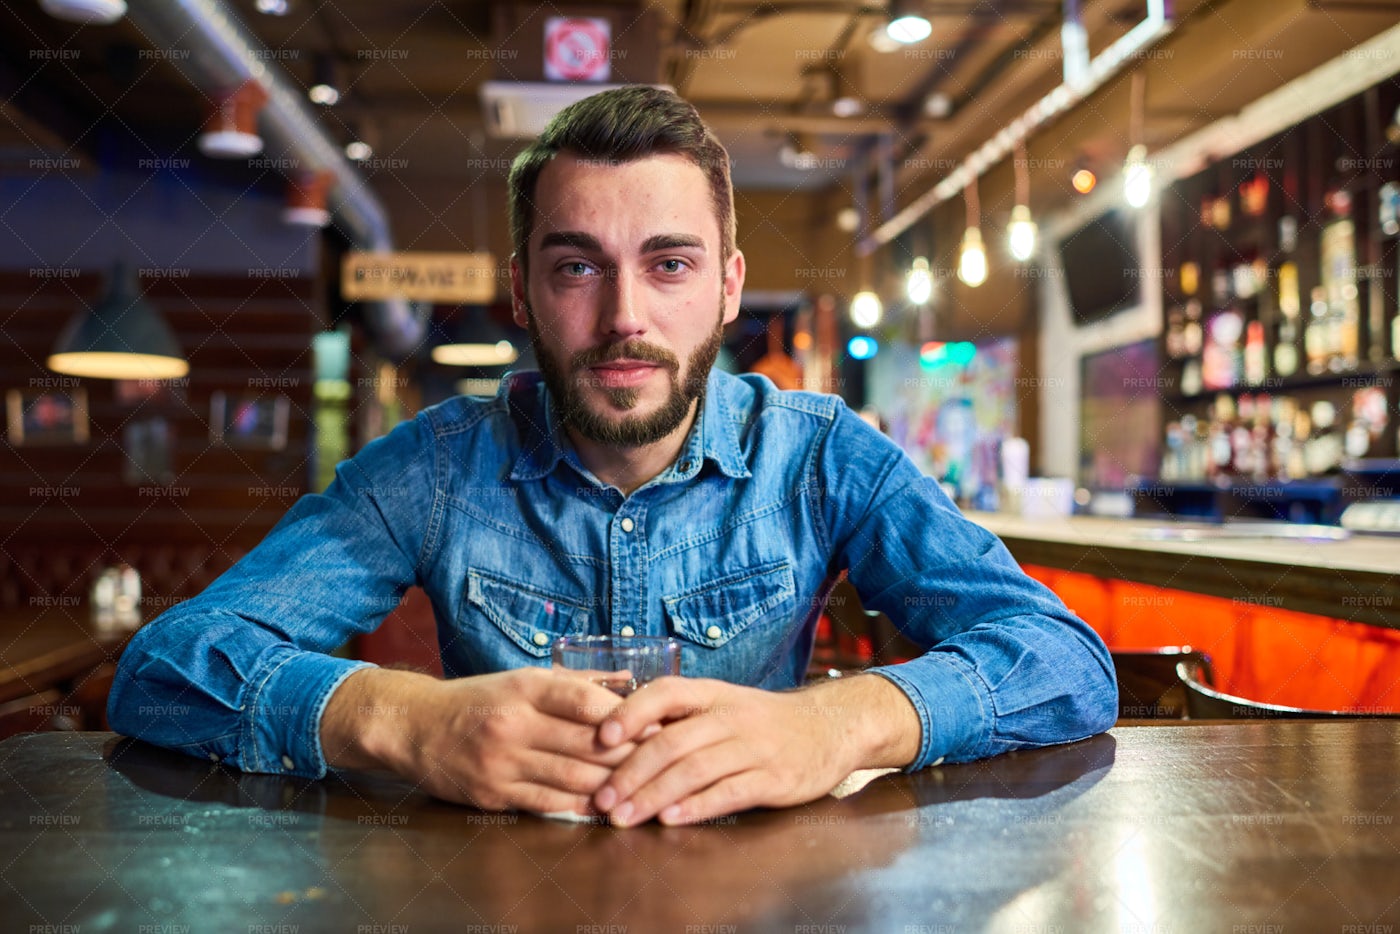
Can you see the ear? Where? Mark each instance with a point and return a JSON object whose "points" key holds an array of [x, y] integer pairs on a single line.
{"points": [[519, 306], [733, 285]]}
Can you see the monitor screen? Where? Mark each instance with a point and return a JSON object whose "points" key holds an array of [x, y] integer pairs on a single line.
{"points": [[1119, 416], [1102, 269]]}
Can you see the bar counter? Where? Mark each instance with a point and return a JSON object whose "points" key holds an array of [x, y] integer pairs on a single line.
{"points": [[1272, 825], [1356, 579]]}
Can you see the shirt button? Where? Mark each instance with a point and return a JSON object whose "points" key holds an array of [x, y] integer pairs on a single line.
{"points": [[541, 639], [627, 631], [287, 763], [714, 632], [628, 525], [685, 465]]}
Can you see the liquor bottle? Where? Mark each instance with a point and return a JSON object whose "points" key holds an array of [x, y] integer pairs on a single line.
{"points": [[1255, 359], [1289, 306]]}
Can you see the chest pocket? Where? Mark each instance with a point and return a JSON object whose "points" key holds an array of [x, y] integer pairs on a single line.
{"points": [[530, 618], [717, 612]]}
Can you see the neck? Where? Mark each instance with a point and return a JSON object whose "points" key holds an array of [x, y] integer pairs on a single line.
{"points": [[628, 468]]}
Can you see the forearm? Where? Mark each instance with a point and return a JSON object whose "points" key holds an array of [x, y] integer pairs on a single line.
{"points": [[875, 716]]}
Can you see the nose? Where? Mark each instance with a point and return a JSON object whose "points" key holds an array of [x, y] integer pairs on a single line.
{"points": [[623, 312]]}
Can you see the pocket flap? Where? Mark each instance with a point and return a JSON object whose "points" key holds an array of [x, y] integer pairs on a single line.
{"points": [[531, 618], [717, 612]]}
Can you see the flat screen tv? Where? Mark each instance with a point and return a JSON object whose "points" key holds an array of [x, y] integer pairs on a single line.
{"points": [[1102, 268]]}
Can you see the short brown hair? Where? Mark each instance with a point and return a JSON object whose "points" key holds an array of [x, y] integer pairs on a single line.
{"points": [[622, 125]]}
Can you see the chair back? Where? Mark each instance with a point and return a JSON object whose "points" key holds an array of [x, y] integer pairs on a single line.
{"points": [[1204, 702], [1149, 687]]}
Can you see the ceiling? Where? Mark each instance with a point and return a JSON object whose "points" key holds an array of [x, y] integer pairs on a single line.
{"points": [[411, 72]]}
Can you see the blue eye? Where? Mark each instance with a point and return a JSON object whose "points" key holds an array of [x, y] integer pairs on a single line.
{"points": [[577, 269], [672, 265]]}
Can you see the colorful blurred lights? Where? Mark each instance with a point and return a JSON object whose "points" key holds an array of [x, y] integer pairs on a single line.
{"points": [[862, 347]]}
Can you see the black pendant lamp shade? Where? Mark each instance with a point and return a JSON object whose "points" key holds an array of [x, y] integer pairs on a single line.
{"points": [[121, 337]]}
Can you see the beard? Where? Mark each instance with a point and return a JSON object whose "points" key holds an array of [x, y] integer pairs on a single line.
{"points": [[567, 380]]}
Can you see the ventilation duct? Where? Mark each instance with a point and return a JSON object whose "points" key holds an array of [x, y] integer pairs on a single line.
{"points": [[221, 54]]}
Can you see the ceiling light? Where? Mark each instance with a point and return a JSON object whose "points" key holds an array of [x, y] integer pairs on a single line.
{"points": [[972, 260], [481, 342], [231, 129], [937, 106], [274, 7], [1084, 181], [501, 353], [121, 337], [87, 12], [907, 23], [358, 150], [866, 309], [324, 90], [845, 99], [1021, 234], [918, 285], [1137, 177], [305, 204]]}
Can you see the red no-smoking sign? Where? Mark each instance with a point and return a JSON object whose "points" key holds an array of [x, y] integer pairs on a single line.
{"points": [[576, 48]]}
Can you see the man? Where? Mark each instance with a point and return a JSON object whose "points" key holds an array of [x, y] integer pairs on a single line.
{"points": [[628, 489]]}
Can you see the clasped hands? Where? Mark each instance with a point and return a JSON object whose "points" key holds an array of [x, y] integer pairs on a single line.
{"points": [[682, 750]]}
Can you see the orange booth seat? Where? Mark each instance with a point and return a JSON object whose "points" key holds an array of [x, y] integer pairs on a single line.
{"points": [[1259, 651]]}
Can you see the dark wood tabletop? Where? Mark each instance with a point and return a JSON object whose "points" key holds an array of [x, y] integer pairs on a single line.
{"points": [[1266, 826], [42, 648]]}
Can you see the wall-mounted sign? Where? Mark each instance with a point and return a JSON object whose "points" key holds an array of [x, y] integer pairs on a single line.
{"points": [[459, 278], [577, 48]]}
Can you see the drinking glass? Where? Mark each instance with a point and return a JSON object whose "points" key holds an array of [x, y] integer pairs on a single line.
{"points": [[622, 663]]}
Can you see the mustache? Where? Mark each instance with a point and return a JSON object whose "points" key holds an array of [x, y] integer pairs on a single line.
{"points": [[629, 350]]}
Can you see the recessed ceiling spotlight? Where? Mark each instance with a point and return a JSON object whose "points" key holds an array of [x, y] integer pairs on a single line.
{"points": [[937, 106]]}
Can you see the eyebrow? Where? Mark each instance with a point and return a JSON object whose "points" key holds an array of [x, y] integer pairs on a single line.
{"points": [[578, 240]]}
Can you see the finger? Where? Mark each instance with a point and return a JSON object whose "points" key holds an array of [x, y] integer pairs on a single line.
{"points": [[576, 740], [572, 696], [668, 698], [564, 773], [544, 800], [683, 778], [726, 796], [680, 739]]}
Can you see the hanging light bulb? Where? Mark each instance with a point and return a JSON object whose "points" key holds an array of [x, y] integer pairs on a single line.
{"points": [[918, 285], [1137, 177], [972, 262], [1137, 174], [866, 309], [1021, 234]]}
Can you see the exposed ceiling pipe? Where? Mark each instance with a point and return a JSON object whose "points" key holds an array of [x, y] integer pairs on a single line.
{"points": [[217, 53], [1082, 80]]}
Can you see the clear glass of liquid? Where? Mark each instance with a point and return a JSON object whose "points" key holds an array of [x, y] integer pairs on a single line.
{"points": [[622, 664]]}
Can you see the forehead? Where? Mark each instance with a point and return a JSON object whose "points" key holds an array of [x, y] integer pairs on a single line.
{"points": [[662, 193]]}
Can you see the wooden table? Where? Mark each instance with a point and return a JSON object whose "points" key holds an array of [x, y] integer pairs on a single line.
{"points": [[55, 667], [1279, 826]]}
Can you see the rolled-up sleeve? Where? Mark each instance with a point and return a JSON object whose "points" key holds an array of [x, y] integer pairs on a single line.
{"points": [[240, 674], [1007, 665]]}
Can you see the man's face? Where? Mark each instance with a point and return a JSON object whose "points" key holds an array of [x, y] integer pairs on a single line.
{"points": [[626, 296]]}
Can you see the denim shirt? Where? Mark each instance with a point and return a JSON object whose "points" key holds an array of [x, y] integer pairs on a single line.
{"points": [[484, 504]]}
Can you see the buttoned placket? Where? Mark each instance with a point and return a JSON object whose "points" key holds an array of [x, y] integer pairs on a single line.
{"points": [[627, 542]]}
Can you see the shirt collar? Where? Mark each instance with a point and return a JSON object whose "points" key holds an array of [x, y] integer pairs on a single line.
{"points": [[715, 436]]}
